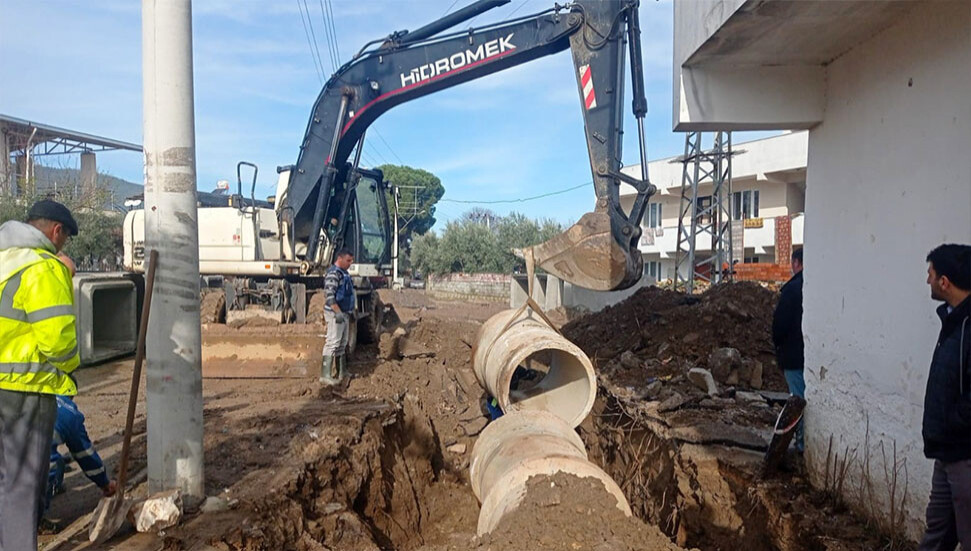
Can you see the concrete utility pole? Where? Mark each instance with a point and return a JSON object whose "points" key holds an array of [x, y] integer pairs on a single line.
{"points": [[174, 346]]}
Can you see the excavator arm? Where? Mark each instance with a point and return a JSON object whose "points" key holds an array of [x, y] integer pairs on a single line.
{"points": [[600, 251]]}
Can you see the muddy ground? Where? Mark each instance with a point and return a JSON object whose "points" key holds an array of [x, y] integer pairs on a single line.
{"points": [[383, 463]]}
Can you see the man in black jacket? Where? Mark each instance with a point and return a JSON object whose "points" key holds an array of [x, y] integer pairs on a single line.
{"points": [[947, 403], [787, 336]]}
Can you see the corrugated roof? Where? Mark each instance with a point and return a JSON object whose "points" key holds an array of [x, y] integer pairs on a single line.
{"points": [[69, 141]]}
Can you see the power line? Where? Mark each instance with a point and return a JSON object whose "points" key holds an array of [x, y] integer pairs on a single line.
{"points": [[386, 144], [320, 73], [327, 37], [314, 35], [520, 200], [376, 153], [449, 8], [517, 9], [333, 30]]}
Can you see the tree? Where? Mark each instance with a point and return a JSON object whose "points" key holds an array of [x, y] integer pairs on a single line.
{"points": [[100, 233], [481, 215], [419, 190], [424, 254], [480, 241]]}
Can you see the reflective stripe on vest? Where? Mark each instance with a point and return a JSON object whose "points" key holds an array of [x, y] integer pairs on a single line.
{"points": [[21, 368]]}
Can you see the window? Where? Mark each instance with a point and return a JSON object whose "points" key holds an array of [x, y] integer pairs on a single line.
{"points": [[751, 260], [652, 269], [745, 204], [703, 203], [654, 215]]}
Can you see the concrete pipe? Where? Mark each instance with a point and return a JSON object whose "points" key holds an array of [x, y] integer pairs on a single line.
{"points": [[521, 445], [567, 386]]}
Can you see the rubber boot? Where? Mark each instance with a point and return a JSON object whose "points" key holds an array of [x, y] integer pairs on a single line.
{"points": [[341, 367], [327, 371]]}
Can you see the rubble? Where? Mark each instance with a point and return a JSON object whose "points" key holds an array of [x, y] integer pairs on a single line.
{"points": [[703, 379], [157, 512]]}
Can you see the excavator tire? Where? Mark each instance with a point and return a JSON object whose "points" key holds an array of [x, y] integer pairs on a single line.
{"points": [[369, 328], [212, 308]]}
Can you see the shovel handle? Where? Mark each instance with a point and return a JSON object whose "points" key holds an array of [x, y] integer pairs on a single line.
{"points": [[137, 372]]}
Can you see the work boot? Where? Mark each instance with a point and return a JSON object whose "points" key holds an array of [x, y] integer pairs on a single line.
{"points": [[327, 371], [341, 367]]}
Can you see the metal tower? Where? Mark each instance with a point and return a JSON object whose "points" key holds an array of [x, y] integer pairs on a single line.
{"points": [[704, 215]]}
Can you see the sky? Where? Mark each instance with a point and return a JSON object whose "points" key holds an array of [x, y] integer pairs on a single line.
{"points": [[512, 135]]}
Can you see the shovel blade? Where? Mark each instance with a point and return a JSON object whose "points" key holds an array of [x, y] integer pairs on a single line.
{"points": [[587, 255], [107, 518]]}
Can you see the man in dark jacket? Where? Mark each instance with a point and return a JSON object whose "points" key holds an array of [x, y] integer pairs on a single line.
{"points": [[947, 403], [787, 337]]}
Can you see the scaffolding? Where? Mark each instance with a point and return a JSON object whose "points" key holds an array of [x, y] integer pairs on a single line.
{"points": [[705, 215]]}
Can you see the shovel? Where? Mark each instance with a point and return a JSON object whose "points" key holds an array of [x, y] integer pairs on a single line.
{"points": [[110, 513]]}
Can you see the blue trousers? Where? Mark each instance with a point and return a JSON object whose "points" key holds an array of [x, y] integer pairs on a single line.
{"points": [[797, 387]]}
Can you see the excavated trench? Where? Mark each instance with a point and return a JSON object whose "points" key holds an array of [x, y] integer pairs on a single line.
{"points": [[387, 468], [393, 486]]}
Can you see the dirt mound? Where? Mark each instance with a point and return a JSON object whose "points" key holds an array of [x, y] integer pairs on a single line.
{"points": [[658, 334], [431, 365], [566, 512]]}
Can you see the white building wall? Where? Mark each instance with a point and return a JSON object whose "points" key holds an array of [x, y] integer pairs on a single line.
{"points": [[888, 179]]}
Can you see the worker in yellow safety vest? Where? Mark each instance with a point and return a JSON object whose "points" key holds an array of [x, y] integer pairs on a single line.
{"points": [[38, 350]]}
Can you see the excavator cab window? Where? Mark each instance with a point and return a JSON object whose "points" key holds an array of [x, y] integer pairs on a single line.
{"points": [[371, 225]]}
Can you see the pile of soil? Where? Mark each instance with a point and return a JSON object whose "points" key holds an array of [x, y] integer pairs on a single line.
{"points": [[566, 512], [658, 334]]}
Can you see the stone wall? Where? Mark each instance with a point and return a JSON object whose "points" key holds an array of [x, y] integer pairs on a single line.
{"points": [[472, 287]]}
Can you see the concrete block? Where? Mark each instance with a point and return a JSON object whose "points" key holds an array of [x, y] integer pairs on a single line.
{"points": [[106, 310], [554, 293], [539, 289], [517, 290]]}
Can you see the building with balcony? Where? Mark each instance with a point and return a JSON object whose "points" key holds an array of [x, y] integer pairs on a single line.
{"points": [[883, 89], [768, 184]]}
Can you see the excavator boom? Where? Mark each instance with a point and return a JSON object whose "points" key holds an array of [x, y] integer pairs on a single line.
{"points": [[600, 251]]}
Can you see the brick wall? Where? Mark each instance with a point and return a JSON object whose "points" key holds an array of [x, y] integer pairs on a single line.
{"points": [[780, 271], [783, 240], [762, 272], [474, 287]]}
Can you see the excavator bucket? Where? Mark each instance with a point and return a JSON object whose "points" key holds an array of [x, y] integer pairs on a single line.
{"points": [[587, 255]]}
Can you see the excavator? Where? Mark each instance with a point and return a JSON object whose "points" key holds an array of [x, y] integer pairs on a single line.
{"points": [[275, 254]]}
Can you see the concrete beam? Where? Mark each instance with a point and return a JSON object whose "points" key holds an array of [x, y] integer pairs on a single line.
{"points": [[749, 98]]}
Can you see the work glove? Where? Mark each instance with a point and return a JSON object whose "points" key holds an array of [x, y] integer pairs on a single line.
{"points": [[339, 317]]}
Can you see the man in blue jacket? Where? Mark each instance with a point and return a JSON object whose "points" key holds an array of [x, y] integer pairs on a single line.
{"points": [[69, 430], [947, 403], [338, 314]]}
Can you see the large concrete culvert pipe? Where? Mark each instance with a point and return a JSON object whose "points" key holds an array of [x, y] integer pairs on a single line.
{"points": [[518, 446], [566, 387]]}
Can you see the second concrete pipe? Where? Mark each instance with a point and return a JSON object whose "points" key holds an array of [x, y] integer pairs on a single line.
{"points": [[518, 446], [518, 338]]}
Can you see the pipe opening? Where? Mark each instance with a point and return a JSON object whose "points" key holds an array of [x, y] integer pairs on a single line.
{"points": [[551, 380]]}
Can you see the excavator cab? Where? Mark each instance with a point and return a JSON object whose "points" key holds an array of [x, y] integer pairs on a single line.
{"points": [[367, 231]]}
